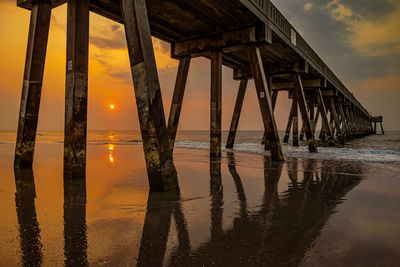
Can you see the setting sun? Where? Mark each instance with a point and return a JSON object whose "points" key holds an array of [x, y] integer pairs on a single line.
{"points": [[112, 107]]}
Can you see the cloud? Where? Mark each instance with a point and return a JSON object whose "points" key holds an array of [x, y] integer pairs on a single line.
{"points": [[308, 6], [387, 83], [374, 25], [338, 11]]}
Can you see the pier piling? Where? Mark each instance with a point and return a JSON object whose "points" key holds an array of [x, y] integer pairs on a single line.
{"points": [[32, 84]]}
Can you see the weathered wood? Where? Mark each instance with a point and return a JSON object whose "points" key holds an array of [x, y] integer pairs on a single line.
{"points": [[316, 120], [274, 69], [302, 133], [160, 168], [274, 97], [331, 120], [176, 105], [76, 86], [383, 131], [236, 114], [226, 40], [30, 4], [307, 84], [32, 85], [289, 124], [311, 109], [300, 67], [336, 120], [345, 128], [350, 122], [295, 119], [264, 99], [324, 117], [304, 115], [216, 104]]}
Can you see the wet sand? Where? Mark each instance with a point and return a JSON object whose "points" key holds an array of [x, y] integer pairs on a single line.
{"points": [[241, 211]]}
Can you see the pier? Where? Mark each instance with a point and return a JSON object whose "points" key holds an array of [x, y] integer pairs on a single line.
{"points": [[249, 36]]}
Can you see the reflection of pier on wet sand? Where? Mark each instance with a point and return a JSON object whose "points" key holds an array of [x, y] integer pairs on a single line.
{"points": [[278, 232]]}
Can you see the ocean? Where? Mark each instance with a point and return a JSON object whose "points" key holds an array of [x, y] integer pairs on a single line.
{"points": [[375, 148]]}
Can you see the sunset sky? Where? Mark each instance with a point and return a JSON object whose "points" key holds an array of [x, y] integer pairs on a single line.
{"points": [[358, 39]]}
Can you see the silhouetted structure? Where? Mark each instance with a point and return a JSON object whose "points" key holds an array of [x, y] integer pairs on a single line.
{"points": [[250, 36]]}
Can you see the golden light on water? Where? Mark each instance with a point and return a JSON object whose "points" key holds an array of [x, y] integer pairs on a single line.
{"points": [[111, 158], [111, 148]]}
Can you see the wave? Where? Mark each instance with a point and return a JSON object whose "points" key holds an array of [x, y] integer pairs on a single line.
{"points": [[326, 153]]}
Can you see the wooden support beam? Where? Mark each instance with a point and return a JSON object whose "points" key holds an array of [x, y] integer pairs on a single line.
{"points": [[76, 87], [295, 134], [301, 67], [345, 128], [274, 97], [289, 124], [304, 115], [307, 84], [236, 114], [316, 120], [329, 92], [298, 67], [302, 133], [176, 105], [30, 4], [216, 104], [383, 131], [219, 42], [324, 117], [336, 120], [160, 168], [354, 121], [264, 99], [311, 109], [32, 85]]}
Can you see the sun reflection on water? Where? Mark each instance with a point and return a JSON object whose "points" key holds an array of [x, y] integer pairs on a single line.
{"points": [[111, 148]]}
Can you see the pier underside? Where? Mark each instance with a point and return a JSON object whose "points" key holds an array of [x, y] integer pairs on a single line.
{"points": [[251, 37]]}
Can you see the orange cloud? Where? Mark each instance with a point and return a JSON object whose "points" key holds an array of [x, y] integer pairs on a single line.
{"points": [[381, 84], [370, 38]]}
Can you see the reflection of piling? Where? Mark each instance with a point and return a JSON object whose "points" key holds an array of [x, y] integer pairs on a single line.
{"points": [[75, 232], [238, 184], [160, 207], [29, 231], [217, 198], [285, 226]]}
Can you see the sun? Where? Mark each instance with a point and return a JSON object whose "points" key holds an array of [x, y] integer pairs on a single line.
{"points": [[112, 106]]}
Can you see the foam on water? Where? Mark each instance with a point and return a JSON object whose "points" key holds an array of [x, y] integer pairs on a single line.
{"points": [[327, 153], [374, 148]]}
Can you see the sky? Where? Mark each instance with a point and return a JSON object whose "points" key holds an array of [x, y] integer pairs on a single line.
{"points": [[358, 39]]}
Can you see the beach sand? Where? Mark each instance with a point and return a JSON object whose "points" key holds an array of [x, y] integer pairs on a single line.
{"points": [[240, 211]]}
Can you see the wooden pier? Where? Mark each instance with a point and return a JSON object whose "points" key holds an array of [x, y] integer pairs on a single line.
{"points": [[250, 36]]}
